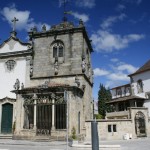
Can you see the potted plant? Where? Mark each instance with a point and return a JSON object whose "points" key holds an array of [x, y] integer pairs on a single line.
{"points": [[74, 139]]}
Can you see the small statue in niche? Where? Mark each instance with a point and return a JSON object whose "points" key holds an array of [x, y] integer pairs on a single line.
{"points": [[56, 66], [77, 81], [83, 65], [31, 67], [17, 84], [89, 72], [26, 118], [31, 71]]}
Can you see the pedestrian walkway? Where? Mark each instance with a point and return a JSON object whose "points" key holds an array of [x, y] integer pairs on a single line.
{"points": [[133, 144]]}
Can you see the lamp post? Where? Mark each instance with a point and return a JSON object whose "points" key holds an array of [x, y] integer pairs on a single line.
{"points": [[66, 99]]}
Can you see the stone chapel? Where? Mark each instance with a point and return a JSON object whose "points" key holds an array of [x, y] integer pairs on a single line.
{"points": [[50, 72]]}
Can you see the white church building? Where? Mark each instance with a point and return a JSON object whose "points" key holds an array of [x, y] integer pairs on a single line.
{"points": [[13, 59]]}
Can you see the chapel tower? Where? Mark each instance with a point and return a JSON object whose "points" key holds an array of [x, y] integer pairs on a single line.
{"points": [[61, 62]]}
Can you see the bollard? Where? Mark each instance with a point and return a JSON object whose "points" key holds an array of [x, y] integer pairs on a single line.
{"points": [[94, 134]]}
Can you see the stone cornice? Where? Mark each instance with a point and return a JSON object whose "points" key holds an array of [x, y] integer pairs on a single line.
{"points": [[62, 32], [15, 39], [63, 76], [16, 54]]}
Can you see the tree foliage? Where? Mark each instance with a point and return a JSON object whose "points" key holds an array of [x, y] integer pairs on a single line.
{"points": [[104, 96]]}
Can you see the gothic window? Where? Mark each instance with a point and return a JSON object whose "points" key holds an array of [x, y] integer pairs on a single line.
{"points": [[140, 86], [58, 49], [10, 64]]}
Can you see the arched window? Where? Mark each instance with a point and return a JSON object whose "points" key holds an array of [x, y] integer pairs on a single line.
{"points": [[58, 49], [140, 86], [10, 65]]}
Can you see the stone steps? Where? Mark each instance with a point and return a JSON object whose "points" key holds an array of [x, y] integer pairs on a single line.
{"points": [[5, 136]]}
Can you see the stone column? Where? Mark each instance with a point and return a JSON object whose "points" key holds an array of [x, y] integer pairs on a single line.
{"points": [[135, 104], [35, 102], [53, 113]]}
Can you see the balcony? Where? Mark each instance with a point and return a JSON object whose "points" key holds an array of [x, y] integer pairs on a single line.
{"points": [[117, 115]]}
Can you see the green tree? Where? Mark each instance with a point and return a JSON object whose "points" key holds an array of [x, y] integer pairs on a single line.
{"points": [[104, 95]]}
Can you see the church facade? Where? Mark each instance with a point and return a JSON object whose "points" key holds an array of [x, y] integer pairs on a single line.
{"points": [[57, 78]]}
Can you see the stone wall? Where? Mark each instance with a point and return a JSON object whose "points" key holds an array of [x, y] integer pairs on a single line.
{"points": [[123, 126]]}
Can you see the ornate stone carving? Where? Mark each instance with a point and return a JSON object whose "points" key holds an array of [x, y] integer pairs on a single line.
{"points": [[81, 24], [44, 28], [83, 65], [17, 84], [22, 86], [31, 67], [56, 67], [77, 81]]}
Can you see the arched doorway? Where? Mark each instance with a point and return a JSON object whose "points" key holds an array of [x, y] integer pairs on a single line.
{"points": [[140, 128], [7, 114]]}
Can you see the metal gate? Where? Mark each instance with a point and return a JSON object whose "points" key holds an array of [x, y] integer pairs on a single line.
{"points": [[140, 124], [47, 107]]}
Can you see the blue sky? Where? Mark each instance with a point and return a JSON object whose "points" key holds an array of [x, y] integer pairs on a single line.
{"points": [[119, 30]]}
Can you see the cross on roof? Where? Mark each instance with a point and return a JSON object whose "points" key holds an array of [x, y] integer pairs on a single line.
{"points": [[14, 23]]}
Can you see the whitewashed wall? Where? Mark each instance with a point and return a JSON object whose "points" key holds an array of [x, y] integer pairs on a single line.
{"points": [[12, 46], [125, 92], [8, 78], [145, 77]]}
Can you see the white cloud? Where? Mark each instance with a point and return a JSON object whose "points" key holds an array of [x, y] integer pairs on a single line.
{"points": [[114, 60], [119, 76], [112, 19], [85, 3], [100, 72], [120, 7], [84, 17], [105, 41], [129, 68], [24, 23]]}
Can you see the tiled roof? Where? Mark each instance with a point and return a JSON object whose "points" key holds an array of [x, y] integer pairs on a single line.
{"points": [[125, 98], [144, 68]]}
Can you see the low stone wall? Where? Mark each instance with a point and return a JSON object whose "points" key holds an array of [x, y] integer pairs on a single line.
{"points": [[114, 129]]}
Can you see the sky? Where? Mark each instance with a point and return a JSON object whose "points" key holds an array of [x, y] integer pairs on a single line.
{"points": [[119, 30]]}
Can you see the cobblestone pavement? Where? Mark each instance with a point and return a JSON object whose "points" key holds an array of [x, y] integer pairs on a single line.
{"points": [[134, 144]]}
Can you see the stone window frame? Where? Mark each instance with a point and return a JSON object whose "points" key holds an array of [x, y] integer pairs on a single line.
{"points": [[10, 64], [59, 49], [112, 128]]}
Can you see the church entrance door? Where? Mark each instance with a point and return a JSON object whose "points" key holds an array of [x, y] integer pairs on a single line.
{"points": [[7, 114], [140, 124]]}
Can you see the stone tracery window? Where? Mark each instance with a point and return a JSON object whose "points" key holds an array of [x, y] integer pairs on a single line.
{"points": [[10, 64], [58, 49]]}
